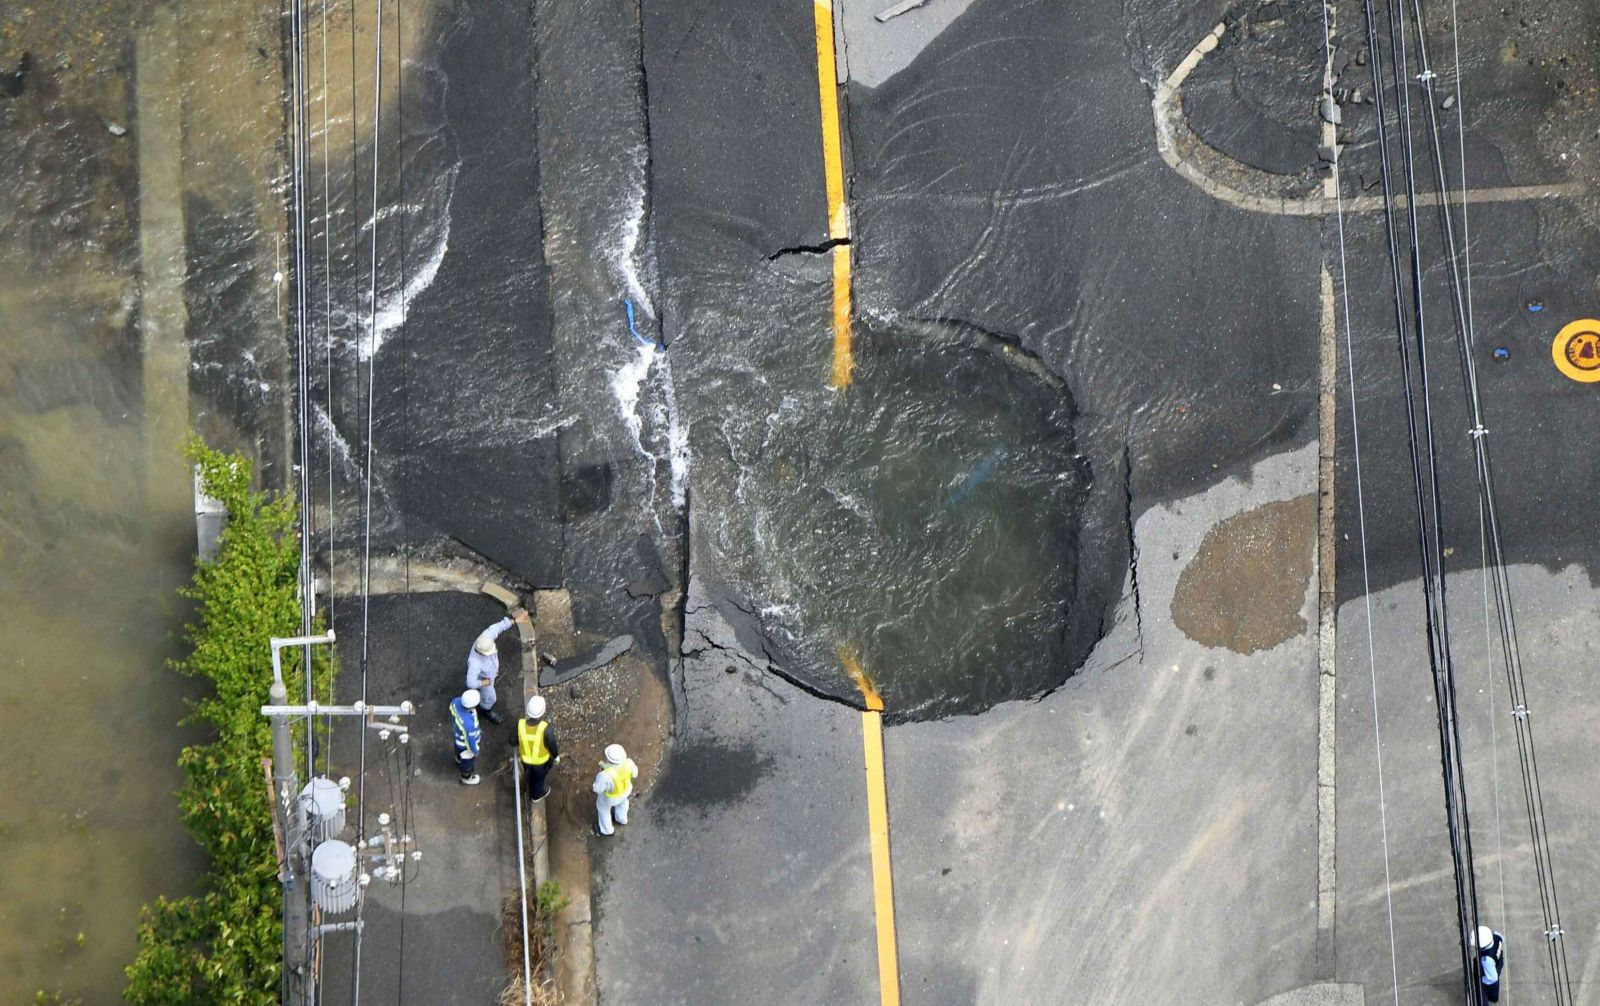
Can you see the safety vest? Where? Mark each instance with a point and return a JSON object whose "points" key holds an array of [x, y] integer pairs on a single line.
{"points": [[530, 743], [621, 777], [466, 732]]}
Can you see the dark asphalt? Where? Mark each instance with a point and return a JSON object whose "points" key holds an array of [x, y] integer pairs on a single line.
{"points": [[1521, 253], [437, 939], [478, 372], [466, 452], [1008, 198]]}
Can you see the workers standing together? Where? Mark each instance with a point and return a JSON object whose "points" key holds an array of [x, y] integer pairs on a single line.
{"points": [[483, 667], [537, 751]]}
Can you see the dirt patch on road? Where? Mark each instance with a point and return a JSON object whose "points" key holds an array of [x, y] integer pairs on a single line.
{"points": [[1245, 587]]}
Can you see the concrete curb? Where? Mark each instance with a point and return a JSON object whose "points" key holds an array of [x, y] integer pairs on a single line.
{"points": [[1204, 166], [538, 831]]}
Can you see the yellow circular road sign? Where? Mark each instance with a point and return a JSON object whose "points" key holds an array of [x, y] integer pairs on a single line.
{"points": [[1577, 350]]}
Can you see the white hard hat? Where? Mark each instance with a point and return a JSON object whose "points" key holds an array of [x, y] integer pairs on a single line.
{"points": [[470, 698], [1485, 937], [484, 645], [536, 707], [615, 755]]}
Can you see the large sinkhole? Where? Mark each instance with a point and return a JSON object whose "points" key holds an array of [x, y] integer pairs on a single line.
{"points": [[925, 523]]}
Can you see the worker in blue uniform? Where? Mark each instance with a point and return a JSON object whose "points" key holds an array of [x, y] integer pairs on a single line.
{"points": [[466, 734], [1491, 948]]}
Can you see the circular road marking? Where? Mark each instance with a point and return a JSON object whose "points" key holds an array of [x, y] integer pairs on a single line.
{"points": [[1577, 350]]}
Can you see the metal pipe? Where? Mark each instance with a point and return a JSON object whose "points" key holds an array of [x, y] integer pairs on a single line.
{"points": [[279, 643], [337, 927], [282, 709], [522, 881]]}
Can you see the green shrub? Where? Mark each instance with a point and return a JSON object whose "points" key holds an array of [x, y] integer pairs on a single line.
{"points": [[224, 944]]}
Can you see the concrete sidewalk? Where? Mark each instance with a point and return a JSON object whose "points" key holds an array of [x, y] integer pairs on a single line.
{"points": [[1555, 608], [1148, 832], [436, 939], [743, 873]]}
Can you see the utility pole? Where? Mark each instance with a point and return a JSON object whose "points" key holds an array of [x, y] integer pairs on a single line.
{"points": [[300, 891], [296, 904]]}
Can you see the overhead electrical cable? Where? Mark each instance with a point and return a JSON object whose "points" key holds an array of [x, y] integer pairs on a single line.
{"points": [[1460, 275], [1409, 325], [1361, 526], [366, 539]]}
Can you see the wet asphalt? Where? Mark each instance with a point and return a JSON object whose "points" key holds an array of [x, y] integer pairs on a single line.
{"points": [[1061, 837]]}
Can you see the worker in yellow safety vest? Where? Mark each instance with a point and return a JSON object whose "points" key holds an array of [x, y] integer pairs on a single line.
{"points": [[537, 749], [612, 788]]}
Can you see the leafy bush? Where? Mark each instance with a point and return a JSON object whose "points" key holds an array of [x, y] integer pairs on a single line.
{"points": [[225, 943]]}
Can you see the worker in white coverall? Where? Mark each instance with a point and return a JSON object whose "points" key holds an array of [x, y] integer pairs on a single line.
{"points": [[612, 788], [483, 666]]}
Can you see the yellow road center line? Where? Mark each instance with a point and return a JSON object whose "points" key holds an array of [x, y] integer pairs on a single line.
{"points": [[882, 874], [838, 213], [877, 828], [852, 666], [844, 357]]}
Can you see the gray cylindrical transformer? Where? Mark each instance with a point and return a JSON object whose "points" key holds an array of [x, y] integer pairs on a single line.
{"points": [[324, 804], [334, 884]]}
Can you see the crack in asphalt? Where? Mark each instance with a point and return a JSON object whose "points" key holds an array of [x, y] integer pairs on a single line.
{"points": [[1133, 540], [816, 249], [739, 653]]}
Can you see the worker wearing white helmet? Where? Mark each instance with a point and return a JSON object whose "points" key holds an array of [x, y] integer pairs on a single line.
{"points": [[483, 667], [613, 786], [535, 741], [466, 734], [1491, 947]]}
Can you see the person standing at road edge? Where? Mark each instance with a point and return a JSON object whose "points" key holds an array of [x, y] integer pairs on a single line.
{"points": [[612, 788], [535, 741], [1491, 963], [466, 734], [483, 666]]}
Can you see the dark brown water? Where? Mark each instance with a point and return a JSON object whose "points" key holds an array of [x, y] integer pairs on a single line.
{"points": [[137, 227]]}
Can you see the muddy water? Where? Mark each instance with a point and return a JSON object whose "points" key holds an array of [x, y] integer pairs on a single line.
{"points": [[922, 528], [89, 567], [137, 240]]}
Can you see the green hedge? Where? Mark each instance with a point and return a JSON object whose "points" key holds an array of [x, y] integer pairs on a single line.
{"points": [[224, 944]]}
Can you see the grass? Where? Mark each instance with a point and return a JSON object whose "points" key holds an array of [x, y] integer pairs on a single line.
{"points": [[543, 906]]}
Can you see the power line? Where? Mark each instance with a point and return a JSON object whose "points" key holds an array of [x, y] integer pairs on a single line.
{"points": [[1361, 523], [405, 471], [1426, 493], [366, 540], [1495, 555]]}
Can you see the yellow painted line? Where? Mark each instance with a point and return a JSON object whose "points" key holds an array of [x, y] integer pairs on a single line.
{"points": [[882, 875], [844, 357], [877, 828], [852, 666], [838, 212]]}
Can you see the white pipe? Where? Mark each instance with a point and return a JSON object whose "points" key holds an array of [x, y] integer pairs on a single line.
{"points": [[522, 881], [403, 709], [279, 643]]}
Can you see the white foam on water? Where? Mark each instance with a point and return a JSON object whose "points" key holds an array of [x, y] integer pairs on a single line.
{"points": [[626, 254], [341, 446], [392, 313], [627, 381], [628, 239], [677, 437]]}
